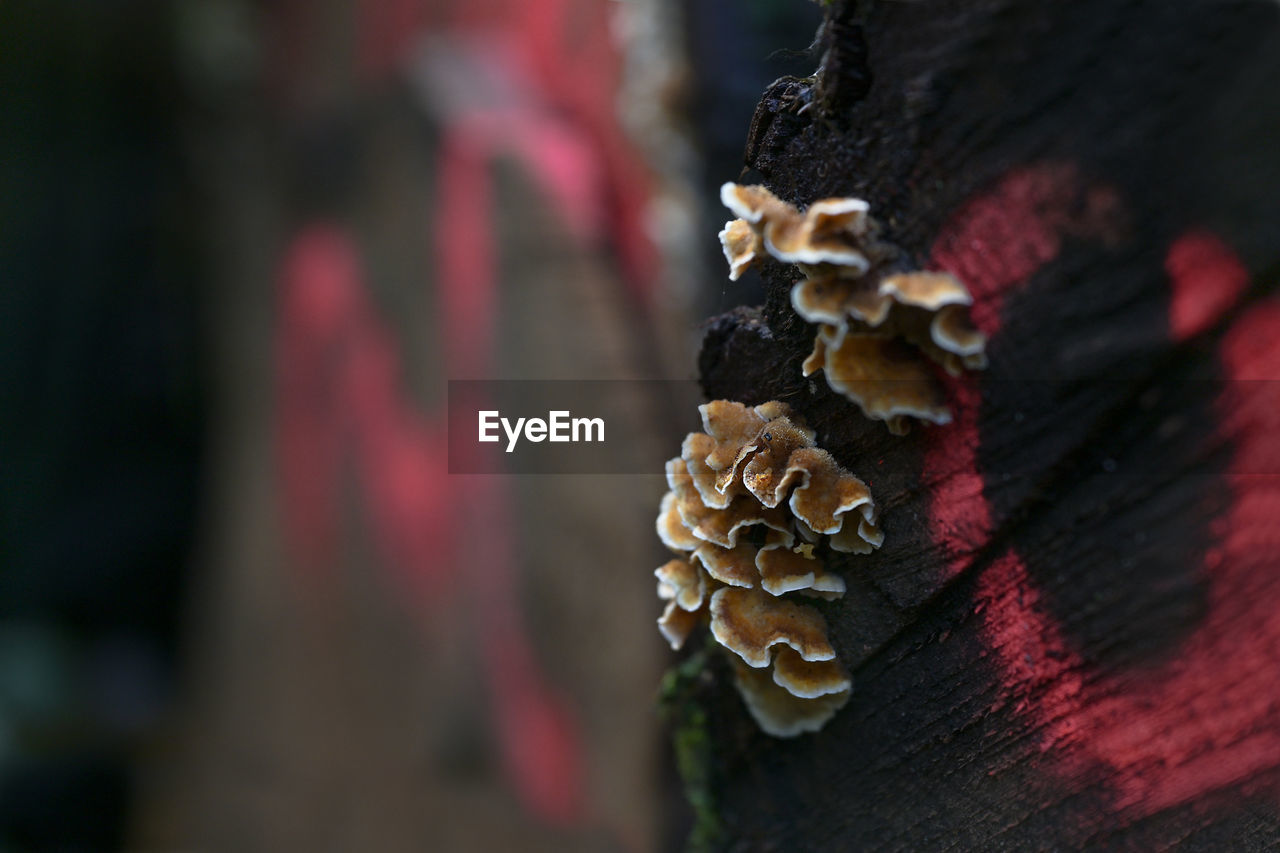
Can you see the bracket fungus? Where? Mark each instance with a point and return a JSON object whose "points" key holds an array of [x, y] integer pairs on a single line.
{"points": [[685, 590], [880, 328], [753, 509], [741, 247], [833, 231]]}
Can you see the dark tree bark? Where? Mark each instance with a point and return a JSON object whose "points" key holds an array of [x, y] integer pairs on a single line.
{"points": [[1070, 636]]}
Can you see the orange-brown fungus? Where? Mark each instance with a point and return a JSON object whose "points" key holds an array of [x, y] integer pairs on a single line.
{"points": [[729, 566], [780, 712], [755, 509], [825, 492], [732, 425], [764, 474], [870, 341], [741, 245], [671, 529], [882, 375], [713, 524], [685, 591], [782, 570], [833, 231], [676, 624], [833, 300], [697, 448], [681, 583], [750, 622], [881, 329], [808, 679]]}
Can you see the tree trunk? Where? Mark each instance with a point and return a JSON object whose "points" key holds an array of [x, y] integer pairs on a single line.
{"points": [[1071, 634]]}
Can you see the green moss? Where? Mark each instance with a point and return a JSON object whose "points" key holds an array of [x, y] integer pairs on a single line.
{"points": [[693, 748]]}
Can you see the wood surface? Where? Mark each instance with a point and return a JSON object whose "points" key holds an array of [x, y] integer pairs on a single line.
{"points": [[1071, 635]]}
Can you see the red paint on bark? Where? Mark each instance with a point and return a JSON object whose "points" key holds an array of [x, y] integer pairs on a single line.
{"points": [[1207, 279], [1209, 717], [993, 244]]}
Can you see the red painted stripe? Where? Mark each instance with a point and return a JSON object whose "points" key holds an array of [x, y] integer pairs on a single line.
{"points": [[993, 244], [1207, 279], [1210, 717]]}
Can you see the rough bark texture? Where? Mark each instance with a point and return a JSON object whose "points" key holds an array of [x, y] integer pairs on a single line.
{"points": [[1059, 643]]}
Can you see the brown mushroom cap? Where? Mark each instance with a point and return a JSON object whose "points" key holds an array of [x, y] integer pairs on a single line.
{"points": [[750, 622], [862, 538], [833, 300], [721, 526], [727, 421], [840, 216], [732, 425], [681, 582], [764, 474], [925, 309], [882, 375], [775, 409], [671, 529], [732, 566], [951, 330], [730, 479], [778, 712], [697, 447], [809, 679], [833, 231], [828, 586], [737, 431], [742, 246], [832, 242], [946, 335], [782, 570], [870, 533], [793, 239], [753, 203], [929, 290], [676, 624], [826, 491], [817, 360]]}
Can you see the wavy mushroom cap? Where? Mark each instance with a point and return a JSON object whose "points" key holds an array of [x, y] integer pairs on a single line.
{"points": [[750, 622], [730, 566], [742, 247], [779, 712], [832, 232], [881, 376], [681, 582]]}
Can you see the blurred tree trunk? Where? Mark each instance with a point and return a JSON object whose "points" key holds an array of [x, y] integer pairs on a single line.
{"points": [[1070, 635]]}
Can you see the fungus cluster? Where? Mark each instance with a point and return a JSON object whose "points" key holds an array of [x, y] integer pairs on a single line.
{"points": [[753, 507], [879, 329]]}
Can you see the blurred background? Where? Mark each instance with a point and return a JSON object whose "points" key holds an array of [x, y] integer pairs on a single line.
{"points": [[243, 604]]}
